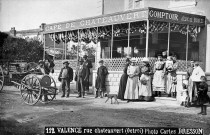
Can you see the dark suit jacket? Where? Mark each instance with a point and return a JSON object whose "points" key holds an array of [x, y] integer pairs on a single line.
{"points": [[88, 63], [81, 73], [69, 74]]}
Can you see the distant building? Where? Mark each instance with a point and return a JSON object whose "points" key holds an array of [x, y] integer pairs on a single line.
{"points": [[30, 34]]}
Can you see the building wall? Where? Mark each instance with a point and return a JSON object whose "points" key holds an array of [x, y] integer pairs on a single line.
{"points": [[112, 6]]}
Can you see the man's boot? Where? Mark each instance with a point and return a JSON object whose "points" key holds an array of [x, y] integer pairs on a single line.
{"points": [[83, 94], [159, 94], [201, 110], [204, 110], [101, 94], [63, 95], [156, 93], [96, 94]]}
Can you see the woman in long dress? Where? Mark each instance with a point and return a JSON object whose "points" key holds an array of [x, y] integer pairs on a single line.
{"points": [[131, 91], [123, 81], [159, 76], [190, 83], [145, 88], [171, 78]]}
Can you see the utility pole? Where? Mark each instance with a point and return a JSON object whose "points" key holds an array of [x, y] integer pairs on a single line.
{"points": [[102, 7]]}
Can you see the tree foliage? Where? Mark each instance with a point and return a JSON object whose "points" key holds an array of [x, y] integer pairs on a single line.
{"points": [[21, 49]]}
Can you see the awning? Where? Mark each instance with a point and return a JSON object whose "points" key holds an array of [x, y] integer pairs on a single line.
{"points": [[128, 16]]}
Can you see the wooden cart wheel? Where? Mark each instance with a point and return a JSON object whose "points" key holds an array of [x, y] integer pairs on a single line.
{"points": [[1, 79], [48, 89], [30, 89]]}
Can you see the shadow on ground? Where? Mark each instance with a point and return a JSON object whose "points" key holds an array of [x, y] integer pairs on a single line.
{"points": [[12, 127]]}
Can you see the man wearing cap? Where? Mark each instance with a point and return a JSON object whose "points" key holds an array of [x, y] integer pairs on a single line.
{"points": [[81, 76], [100, 80], [89, 65], [66, 76]]}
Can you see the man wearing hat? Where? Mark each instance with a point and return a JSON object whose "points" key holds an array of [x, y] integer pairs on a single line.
{"points": [[66, 76], [81, 76], [100, 80], [89, 65]]}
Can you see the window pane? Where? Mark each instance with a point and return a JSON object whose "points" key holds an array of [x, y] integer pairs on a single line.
{"points": [[138, 39], [105, 40], [120, 41]]}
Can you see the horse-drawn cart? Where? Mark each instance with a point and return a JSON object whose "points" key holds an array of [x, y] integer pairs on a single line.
{"points": [[33, 85]]}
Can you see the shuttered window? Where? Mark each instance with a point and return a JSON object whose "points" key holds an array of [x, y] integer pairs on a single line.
{"points": [[130, 4]]}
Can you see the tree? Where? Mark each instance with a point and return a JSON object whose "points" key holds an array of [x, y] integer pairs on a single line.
{"points": [[21, 49], [3, 36]]}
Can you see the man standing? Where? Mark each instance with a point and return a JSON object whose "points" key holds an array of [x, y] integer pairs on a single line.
{"points": [[81, 76], [89, 65], [66, 76]]}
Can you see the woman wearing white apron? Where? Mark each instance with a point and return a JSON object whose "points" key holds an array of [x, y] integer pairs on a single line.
{"points": [[145, 88], [131, 91], [159, 76]]}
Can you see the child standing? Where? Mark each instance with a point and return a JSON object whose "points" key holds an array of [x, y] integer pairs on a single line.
{"points": [[100, 80], [184, 94], [203, 97], [169, 63]]}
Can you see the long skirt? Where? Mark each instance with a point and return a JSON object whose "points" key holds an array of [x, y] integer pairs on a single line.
{"points": [[145, 88], [184, 95], [122, 87], [194, 92], [190, 90], [170, 83], [131, 91], [158, 81]]}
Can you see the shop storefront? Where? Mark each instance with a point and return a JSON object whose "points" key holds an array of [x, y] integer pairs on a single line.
{"points": [[137, 33]]}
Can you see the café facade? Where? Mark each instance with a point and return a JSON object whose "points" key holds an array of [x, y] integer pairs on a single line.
{"points": [[135, 33]]}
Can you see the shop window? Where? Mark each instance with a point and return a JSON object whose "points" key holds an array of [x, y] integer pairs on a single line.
{"points": [[120, 41], [138, 44], [105, 40], [57, 49]]}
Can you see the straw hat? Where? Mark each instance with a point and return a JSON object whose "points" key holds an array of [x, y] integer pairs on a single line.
{"points": [[133, 60], [85, 56], [145, 59], [65, 62], [101, 61]]}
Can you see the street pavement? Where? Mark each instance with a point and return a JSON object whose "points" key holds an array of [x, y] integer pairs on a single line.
{"points": [[91, 111]]}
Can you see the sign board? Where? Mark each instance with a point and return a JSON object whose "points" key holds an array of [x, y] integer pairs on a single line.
{"points": [[175, 17], [128, 16], [104, 20]]}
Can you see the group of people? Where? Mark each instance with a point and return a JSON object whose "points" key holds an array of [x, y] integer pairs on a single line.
{"points": [[143, 83], [81, 77], [195, 88], [139, 82]]}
